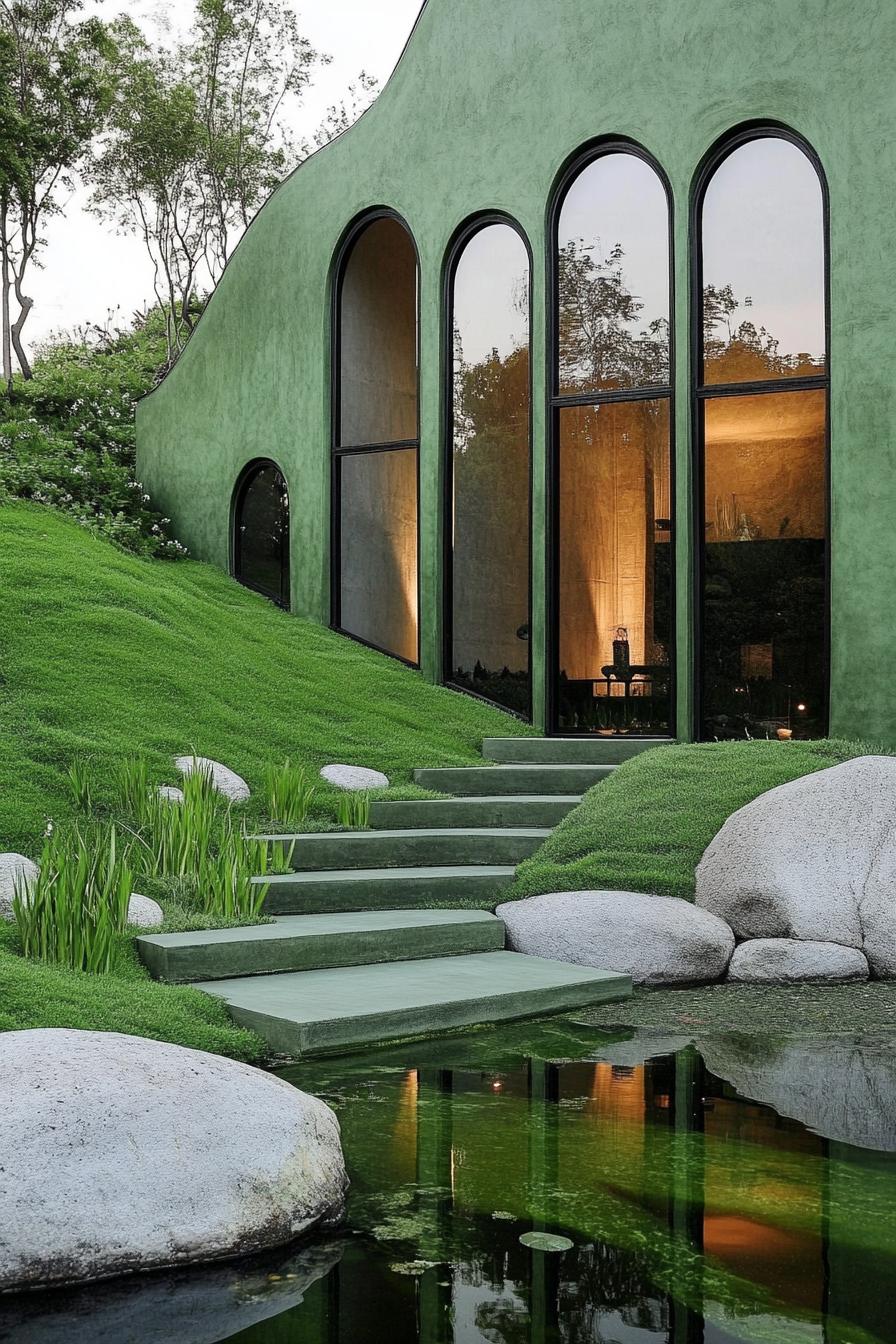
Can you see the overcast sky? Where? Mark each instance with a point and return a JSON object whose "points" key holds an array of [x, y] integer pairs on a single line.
{"points": [[88, 269]]}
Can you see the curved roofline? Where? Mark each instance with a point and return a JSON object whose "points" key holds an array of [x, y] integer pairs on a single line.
{"points": [[279, 187]]}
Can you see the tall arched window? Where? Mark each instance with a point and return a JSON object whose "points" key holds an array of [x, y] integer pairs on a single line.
{"points": [[488, 477], [261, 531], [612, 572], [376, 439], [762, 404]]}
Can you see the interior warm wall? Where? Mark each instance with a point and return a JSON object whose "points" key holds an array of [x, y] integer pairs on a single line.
{"points": [[490, 100]]}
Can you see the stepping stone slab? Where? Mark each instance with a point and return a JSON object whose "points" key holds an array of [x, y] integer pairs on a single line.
{"points": [[507, 779], [354, 778], [224, 780], [383, 888], [123, 1154], [568, 750], [311, 942], [15, 869], [657, 940], [405, 848], [790, 961], [491, 810], [330, 1011]]}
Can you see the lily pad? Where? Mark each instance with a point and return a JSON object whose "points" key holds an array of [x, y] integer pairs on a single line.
{"points": [[545, 1241]]}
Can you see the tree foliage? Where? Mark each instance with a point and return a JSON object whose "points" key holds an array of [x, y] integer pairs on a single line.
{"points": [[55, 91]]}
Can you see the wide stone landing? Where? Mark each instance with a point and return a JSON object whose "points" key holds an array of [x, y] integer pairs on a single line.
{"points": [[317, 1012]]}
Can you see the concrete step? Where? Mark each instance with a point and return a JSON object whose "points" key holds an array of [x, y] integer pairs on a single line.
{"points": [[503, 779], [320, 1012], [568, 750], [313, 942], [385, 888], [409, 848], [519, 810]]}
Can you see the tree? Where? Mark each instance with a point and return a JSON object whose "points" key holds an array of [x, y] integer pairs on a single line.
{"points": [[198, 139], [56, 91]]}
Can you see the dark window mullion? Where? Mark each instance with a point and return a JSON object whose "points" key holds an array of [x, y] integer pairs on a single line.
{"points": [[818, 382], [628, 394]]}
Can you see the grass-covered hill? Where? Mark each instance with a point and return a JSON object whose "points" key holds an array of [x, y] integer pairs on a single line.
{"points": [[104, 654], [646, 827]]}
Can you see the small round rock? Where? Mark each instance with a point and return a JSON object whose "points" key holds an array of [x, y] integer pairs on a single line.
{"points": [[144, 912], [224, 780], [354, 777], [15, 869], [169, 793]]}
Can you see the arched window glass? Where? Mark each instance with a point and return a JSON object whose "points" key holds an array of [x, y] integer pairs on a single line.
{"points": [[261, 532], [375, 560], [763, 403], [612, 491], [488, 616]]}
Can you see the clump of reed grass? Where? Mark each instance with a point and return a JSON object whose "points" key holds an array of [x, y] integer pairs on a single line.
{"points": [[354, 810], [80, 786], [290, 793], [72, 912]]}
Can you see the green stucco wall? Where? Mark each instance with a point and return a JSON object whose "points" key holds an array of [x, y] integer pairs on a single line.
{"points": [[488, 102]]}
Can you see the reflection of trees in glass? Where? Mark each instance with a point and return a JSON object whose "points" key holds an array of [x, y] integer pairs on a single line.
{"points": [[739, 351], [601, 345]]}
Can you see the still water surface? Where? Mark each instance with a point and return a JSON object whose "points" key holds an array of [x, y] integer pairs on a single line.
{"points": [[733, 1188]]}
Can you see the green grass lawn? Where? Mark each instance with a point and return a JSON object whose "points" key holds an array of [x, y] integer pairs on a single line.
{"points": [[104, 654], [646, 827]]}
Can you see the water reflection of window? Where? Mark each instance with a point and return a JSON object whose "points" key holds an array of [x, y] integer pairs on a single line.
{"points": [[261, 532], [763, 414], [612, 505], [489, 470], [375, 543]]}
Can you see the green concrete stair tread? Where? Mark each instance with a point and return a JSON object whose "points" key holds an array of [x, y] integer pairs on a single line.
{"points": [[322, 1011], [528, 779], [383, 888], [568, 750], [322, 850], [502, 810], [311, 942]]}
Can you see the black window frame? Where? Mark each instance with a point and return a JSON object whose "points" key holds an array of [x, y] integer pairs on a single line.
{"points": [[247, 475], [456, 248], [702, 392], [557, 402], [338, 450]]}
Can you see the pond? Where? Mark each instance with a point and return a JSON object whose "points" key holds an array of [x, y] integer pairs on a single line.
{"points": [[697, 1191]]}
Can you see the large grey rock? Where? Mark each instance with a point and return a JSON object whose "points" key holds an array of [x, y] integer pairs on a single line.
{"points": [[124, 1154], [657, 940], [14, 869], [224, 780], [788, 961], [200, 1305], [354, 777], [843, 1088], [814, 859], [144, 912]]}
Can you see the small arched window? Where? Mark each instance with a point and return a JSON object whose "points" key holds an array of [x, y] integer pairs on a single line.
{"points": [[261, 532], [762, 395], [612, 590], [376, 439], [488, 478]]}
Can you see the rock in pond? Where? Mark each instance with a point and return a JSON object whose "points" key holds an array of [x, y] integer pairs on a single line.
{"points": [[14, 869], [354, 777], [123, 1154], [814, 859], [201, 1305], [790, 961], [842, 1088], [224, 780], [144, 912], [657, 940]]}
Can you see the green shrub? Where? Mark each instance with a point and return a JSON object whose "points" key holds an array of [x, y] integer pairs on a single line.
{"points": [[78, 903], [67, 436], [290, 794], [354, 811]]}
